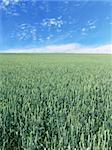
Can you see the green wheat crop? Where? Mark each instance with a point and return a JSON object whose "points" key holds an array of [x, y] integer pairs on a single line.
{"points": [[55, 102]]}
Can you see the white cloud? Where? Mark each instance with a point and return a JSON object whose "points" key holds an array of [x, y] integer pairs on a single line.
{"points": [[91, 22], [7, 2], [52, 22], [83, 29], [66, 48], [92, 27], [104, 49], [25, 32], [49, 37]]}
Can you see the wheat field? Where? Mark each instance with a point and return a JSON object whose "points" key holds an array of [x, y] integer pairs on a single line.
{"points": [[55, 102]]}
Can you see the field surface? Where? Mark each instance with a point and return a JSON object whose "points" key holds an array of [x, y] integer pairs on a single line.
{"points": [[55, 102]]}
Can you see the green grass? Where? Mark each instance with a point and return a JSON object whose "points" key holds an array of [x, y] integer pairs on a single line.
{"points": [[55, 102]]}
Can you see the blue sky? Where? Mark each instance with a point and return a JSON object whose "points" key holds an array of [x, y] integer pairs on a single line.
{"points": [[31, 24]]}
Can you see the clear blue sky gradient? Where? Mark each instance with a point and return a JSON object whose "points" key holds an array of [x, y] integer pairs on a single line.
{"points": [[31, 23]]}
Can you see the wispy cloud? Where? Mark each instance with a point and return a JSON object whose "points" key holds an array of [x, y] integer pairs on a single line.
{"points": [[91, 22], [66, 48], [92, 27], [83, 29], [52, 22], [25, 32], [7, 2]]}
